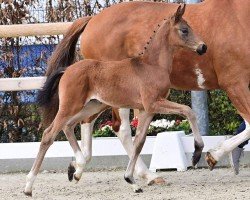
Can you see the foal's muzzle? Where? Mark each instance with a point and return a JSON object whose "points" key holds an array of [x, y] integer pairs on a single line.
{"points": [[202, 48]]}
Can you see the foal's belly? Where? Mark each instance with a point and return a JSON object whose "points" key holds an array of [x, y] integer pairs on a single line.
{"points": [[128, 98]]}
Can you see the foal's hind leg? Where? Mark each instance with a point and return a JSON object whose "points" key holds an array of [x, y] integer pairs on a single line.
{"points": [[76, 168], [144, 120], [239, 94], [86, 146], [48, 138]]}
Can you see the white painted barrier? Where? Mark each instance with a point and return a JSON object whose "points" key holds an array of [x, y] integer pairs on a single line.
{"points": [[111, 146], [171, 149], [108, 146]]}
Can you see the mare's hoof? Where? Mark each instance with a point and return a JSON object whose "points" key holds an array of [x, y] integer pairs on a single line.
{"points": [[210, 161], [29, 194], [157, 181], [139, 190], [71, 171]]}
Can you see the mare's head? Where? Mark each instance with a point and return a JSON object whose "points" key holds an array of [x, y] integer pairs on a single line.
{"points": [[182, 35]]}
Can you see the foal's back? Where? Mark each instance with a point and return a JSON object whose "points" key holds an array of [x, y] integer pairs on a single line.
{"points": [[117, 83]]}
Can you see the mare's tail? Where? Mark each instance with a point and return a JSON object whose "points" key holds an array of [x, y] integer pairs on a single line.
{"points": [[61, 58]]}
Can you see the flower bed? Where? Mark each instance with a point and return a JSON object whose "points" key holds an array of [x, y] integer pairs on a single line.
{"points": [[157, 126]]}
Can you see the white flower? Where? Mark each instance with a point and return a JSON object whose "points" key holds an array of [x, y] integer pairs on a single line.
{"points": [[3, 5], [162, 123], [106, 127]]}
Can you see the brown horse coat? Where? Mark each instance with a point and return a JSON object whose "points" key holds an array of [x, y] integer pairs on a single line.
{"points": [[223, 24]]}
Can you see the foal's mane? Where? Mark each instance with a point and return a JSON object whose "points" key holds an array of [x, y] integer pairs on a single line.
{"points": [[164, 21]]}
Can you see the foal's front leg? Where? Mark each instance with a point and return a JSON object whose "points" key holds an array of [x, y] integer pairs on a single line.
{"points": [[125, 136], [144, 120], [164, 106]]}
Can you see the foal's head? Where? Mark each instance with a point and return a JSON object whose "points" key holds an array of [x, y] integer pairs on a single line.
{"points": [[182, 35]]}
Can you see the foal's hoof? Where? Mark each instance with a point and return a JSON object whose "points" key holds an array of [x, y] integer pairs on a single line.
{"points": [[195, 159], [71, 171], [157, 181], [29, 194], [139, 190], [76, 178], [210, 161], [197, 154]]}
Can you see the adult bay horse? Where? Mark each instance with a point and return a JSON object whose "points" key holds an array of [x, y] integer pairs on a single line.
{"points": [[119, 32], [98, 84]]}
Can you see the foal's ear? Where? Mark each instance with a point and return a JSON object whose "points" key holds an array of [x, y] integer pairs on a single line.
{"points": [[179, 13]]}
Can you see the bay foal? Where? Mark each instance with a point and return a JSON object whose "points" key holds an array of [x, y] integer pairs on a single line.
{"points": [[141, 82]]}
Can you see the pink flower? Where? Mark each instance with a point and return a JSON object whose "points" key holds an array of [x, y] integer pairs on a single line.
{"points": [[106, 123], [134, 122], [177, 122]]}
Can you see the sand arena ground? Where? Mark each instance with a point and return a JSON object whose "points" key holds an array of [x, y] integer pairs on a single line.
{"points": [[199, 184]]}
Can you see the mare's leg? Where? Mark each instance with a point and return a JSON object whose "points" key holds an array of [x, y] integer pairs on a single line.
{"points": [[48, 138], [86, 139], [83, 154], [144, 120], [239, 94], [124, 134]]}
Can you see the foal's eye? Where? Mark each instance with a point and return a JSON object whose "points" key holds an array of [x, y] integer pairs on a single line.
{"points": [[184, 31]]}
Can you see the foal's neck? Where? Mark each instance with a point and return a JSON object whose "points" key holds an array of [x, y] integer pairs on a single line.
{"points": [[159, 52]]}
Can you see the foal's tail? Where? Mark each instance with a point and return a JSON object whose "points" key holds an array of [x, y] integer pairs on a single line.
{"points": [[61, 58], [48, 98]]}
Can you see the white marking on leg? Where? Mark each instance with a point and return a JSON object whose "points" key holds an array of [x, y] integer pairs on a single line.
{"points": [[30, 178], [200, 77], [136, 188], [80, 163], [86, 140], [247, 124], [124, 135], [230, 144], [125, 123]]}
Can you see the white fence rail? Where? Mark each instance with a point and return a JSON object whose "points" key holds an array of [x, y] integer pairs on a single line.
{"points": [[34, 29], [23, 83]]}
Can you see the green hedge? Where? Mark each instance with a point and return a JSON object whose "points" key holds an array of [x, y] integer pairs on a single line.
{"points": [[223, 117]]}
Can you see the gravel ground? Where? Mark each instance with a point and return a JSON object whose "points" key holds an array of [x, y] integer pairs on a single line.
{"points": [[199, 184]]}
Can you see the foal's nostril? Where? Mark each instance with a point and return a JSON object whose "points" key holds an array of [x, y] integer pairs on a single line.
{"points": [[202, 48]]}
